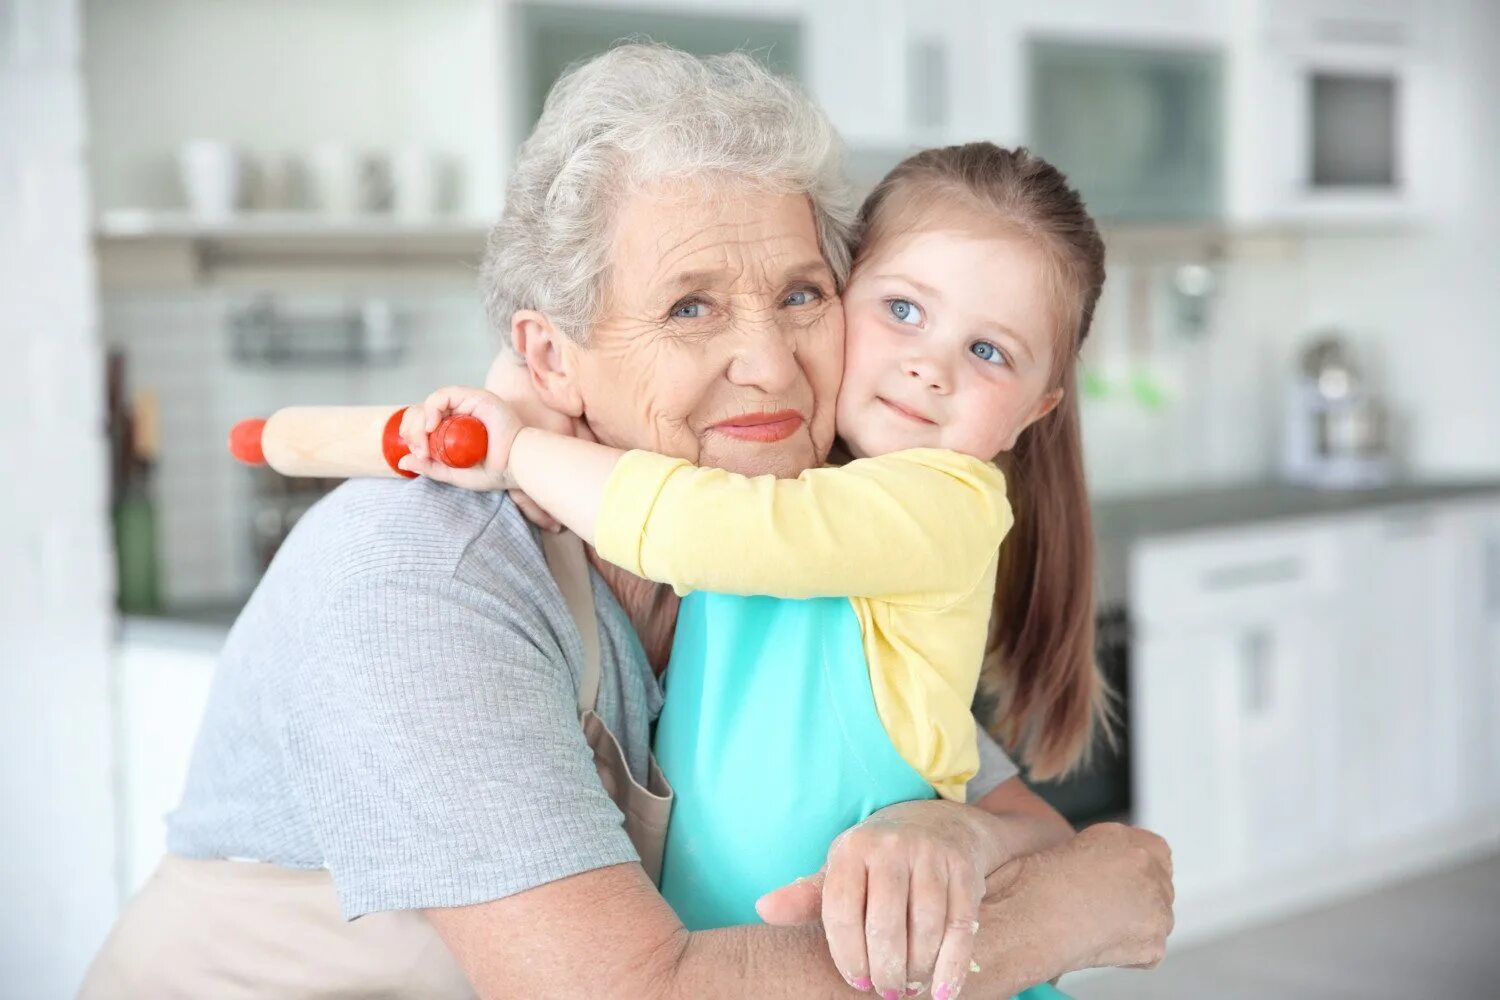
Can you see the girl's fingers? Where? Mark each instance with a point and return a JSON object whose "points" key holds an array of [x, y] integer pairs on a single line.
{"points": [[885, 927], [411, 430], [436, 405], [844, 918], [469, 479], [927, 921], [957, 950], [424, 467], [449, 400]]}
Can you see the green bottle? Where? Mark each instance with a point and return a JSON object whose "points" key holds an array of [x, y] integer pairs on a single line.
{"points": [[136, 554]]}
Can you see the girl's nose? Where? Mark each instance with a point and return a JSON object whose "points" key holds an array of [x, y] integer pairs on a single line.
{"points": [[930, 373]]}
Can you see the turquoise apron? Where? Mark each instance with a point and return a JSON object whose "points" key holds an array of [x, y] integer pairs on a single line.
{"points": [[772, 742]]}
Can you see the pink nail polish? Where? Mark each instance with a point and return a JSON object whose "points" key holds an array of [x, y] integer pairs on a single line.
{"points": [[861, 982], [890, 995], [942, 991]]}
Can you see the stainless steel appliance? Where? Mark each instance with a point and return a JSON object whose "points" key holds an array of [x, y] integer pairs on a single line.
{"points": [[1337, 432]]}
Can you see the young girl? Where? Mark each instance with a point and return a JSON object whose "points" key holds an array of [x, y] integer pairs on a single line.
{"points": [[791, 717]]}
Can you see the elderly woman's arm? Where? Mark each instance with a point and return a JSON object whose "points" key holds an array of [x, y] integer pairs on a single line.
{"points": [[1100, 898], [1009, 822]]}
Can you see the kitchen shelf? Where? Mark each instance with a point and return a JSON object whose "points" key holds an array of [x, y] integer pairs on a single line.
{"points": [[175, 249]]}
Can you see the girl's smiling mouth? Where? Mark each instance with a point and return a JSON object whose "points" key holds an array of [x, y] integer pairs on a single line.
{"points": [[910, 414]]}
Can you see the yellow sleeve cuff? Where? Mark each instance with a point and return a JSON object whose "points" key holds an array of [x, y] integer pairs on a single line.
{"points": [[953, 791], [629, 496]]}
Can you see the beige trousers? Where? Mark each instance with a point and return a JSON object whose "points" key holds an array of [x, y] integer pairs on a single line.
{"points": [[234, 930]]}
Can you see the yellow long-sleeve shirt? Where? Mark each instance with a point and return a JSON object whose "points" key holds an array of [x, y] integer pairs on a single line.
{"points": [[911, 538]]}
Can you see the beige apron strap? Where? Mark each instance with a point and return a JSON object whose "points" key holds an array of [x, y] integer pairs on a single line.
{"points": [[647, 808], [570, 568]]}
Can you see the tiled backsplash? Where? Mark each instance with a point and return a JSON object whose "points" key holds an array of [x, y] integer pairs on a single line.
{"points": [[1212, 414], [180, 346], [1214, 422]]}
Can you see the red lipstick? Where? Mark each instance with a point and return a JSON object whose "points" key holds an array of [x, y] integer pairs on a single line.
{"points": [[762, 427]]}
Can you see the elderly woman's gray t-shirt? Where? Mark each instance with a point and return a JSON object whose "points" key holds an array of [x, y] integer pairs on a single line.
{"points": [[398, 703]]}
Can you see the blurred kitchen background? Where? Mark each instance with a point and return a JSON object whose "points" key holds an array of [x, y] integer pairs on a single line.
{"points": [[213, 208]]}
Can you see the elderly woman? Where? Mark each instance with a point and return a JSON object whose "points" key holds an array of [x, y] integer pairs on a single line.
{"points": [[394, 729]]}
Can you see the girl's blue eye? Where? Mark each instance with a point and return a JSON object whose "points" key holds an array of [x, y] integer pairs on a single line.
{"points": [[986, 351], [905, 311], [690, 310], [802, 297]]}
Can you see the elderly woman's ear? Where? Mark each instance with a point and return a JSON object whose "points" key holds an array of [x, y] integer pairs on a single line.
{"points": [[549, 355]]}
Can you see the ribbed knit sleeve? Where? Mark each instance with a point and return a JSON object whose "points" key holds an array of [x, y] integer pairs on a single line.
{"points": [[437, 749]]}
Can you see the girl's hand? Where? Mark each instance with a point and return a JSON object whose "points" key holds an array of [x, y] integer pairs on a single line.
{"points": [[901, 894], [500, 423], [510, 379]]}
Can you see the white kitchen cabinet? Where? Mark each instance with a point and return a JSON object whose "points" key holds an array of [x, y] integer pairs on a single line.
{"points": [[1402, 676], [1317, 693], [1333, 108], [1478, 608], [1183, 752], [163, 674], [856, 67], [1233, 756], [1233, 672], [1483, 717], [1141, 22], [899, 75]]}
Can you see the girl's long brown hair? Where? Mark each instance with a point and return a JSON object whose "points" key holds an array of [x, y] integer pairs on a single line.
{"points": [[1040, 681]]}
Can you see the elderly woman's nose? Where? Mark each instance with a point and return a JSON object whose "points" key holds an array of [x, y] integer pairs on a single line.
{"points": [[765, 358]]}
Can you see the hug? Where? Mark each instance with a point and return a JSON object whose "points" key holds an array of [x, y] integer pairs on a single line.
{"points": [[826, 463]]}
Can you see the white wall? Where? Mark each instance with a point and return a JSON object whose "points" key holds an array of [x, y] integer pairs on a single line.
{"points": [[1420, 301], [281, 76], [1429, 302], [56, 820]]}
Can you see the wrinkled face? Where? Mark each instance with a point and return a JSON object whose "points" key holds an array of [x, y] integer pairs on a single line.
{"points": [[722, 336], [950, 341]]}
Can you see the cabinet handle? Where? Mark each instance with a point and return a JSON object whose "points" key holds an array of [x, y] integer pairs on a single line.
{"points": [[1256, 681], [1253, 574], [927, 75], [1416, 524], [1491, 575]]}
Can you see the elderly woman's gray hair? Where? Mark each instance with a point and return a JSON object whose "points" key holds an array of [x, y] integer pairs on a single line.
{"points": [[635, 114]]}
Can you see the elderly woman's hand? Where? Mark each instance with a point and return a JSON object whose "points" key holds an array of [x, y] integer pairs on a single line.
{"points": [[1102, 898], [900, 898]]}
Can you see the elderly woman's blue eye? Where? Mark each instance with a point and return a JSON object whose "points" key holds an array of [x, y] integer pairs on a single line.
{"points": [[690, 310], [802, 297], [986, 351], [905, 311]]}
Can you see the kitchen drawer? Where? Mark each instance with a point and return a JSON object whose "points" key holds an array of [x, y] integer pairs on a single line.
{"points": [[1233, 576]]}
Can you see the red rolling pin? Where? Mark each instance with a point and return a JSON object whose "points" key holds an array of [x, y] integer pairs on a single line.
{"points": [[342, 441]]}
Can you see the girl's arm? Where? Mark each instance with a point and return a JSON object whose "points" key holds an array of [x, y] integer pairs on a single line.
{"points": [[566, 476], [918, 523], [924, 523]]}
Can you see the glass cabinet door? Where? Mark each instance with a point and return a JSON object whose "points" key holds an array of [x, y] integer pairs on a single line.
{"points": [[556, 36], [1140, 132]]}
